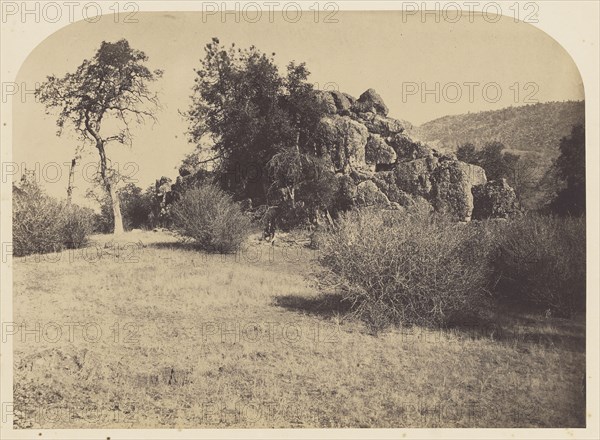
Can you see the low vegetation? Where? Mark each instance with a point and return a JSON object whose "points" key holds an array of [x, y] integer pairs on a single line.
{"points": [[42, 224], [211, 218], [408, 269], [168, 336], [541, 261], [403, 269]]}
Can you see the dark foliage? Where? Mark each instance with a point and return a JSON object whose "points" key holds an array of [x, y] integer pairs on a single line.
{"points": [[541, 261], [570, 170], [255, 117]]}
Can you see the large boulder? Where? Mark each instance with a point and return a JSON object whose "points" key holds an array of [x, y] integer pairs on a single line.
{"points": [[407, 149], [347, 191], [383, 125], [342, 103], [414, 176], [452, 184], [326, 99], [377, 151], [345, 139], [368, 194], [350, 98], [495, 199], [370, 101], [386, 182]]}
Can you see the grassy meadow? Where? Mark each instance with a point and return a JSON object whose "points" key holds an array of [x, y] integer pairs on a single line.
{"points": [[144, 331]]}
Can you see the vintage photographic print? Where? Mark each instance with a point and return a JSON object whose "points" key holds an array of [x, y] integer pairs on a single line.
{"points": [[299, 216]]}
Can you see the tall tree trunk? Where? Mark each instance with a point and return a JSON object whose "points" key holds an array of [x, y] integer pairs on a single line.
{"points": [[71, 178], [114, 198], [110, 189]]}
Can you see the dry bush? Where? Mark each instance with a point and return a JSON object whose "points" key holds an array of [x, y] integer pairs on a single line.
{"points": [[77, 227], [541, 261], [36, 222], [211, 218], [42, 224], [401, 268]]}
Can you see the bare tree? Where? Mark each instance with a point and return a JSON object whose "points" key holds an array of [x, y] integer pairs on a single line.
{"points": [[111, 85]]}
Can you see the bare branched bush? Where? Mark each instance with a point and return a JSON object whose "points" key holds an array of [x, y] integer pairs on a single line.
{"points": [[211, 218], [77, 227], [42, 224], [542, 261], [401, 268]]}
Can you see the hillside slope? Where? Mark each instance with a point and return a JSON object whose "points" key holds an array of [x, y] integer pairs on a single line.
{"points": [[536, 127]]}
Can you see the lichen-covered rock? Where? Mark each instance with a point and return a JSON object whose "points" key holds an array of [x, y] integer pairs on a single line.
{"points": [[350, 98], [364, 117], [386, 182], [414, 176], [495, 199], [370, 101], [345, 139], [382, 165], [326, 99], [377, 151], [452, 183], [384, 126], [407, 149], [342, 102], [368, 194]]}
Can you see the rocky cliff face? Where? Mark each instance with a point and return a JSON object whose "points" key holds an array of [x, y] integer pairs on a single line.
{"points": [[389, 169]]}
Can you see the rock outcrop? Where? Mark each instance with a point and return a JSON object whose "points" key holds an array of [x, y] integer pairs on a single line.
{"points": [[389, 169], [345, 139], [495, 199], [368, 194], [377, 164]]}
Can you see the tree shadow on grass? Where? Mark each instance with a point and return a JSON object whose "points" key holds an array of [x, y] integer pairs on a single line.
{"points": [[325, 305], [175, 245], [524, 330], [189, 246]]}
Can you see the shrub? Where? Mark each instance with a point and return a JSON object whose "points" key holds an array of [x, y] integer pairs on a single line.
{"points": [[413, 268], [211, 218], [541, 261], [37, 225], [78, 225], [42, 224]]}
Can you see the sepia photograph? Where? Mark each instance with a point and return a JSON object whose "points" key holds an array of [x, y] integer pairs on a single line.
{"points": [[298, 215]]}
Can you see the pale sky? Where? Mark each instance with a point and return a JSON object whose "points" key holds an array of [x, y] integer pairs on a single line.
{"points": [[380, 50]]}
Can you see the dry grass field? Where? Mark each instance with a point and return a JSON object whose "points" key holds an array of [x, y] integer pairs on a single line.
{"points": [[148, 332]]}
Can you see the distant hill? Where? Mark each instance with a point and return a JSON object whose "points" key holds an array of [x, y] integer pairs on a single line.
{"points": [[535, 127]]}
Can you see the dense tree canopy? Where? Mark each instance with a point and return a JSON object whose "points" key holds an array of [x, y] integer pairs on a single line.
{"points": [[261, 123]]}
